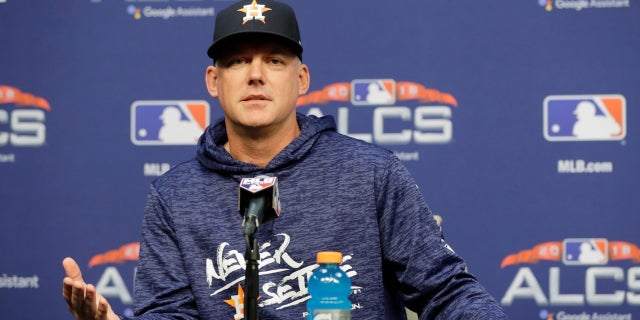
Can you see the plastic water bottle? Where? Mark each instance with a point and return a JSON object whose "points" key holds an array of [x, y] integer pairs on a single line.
{"points": [[329, 288]]}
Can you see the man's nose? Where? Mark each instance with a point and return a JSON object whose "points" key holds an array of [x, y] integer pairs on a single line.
{"points": [[256, 72]]}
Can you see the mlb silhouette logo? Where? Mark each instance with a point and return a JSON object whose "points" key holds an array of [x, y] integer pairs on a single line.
{"points": [[373, 92], [168, 122], [258, 183], [588, 251], [585, 118]]}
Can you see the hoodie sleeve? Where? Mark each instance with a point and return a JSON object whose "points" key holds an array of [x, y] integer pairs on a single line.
{"points": [[432, 280], [162, 289]]}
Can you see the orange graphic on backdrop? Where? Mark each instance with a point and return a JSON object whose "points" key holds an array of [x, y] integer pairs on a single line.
{"points": [[22, 99], [552, 251], [406, 90], [128, 252]]}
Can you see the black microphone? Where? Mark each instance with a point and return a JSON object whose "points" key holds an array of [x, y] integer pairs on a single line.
{"points": [[258, 202]]}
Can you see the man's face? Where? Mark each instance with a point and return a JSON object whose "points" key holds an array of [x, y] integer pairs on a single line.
{"points": [[257, 83]]}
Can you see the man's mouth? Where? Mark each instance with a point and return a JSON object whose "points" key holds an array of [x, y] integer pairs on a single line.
{"points": [[255, 97]]}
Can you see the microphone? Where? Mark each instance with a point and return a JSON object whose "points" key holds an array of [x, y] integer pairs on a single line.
{"points": [[258, 202]]}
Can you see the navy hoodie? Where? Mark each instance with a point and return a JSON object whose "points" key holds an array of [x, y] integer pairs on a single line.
{"points": [[337, 193]]}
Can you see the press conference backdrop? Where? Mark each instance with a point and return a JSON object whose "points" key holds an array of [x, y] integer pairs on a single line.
{"points": [[518, 120]]}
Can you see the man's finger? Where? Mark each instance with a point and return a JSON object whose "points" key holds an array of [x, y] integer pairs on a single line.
{"points": [[77, 297], [67, 289], [90, 298], [72, 269], [103, 308]]}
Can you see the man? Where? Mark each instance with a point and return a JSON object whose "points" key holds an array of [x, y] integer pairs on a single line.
{"points": [[337, 193]]}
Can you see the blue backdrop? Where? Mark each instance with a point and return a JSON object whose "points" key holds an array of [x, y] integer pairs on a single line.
{"points": [[517, 118]]}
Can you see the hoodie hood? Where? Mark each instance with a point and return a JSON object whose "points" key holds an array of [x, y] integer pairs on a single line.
{"points": [[212, 154]]}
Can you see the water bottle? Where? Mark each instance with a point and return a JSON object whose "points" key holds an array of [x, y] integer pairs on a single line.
{"points": [[329, 288]]}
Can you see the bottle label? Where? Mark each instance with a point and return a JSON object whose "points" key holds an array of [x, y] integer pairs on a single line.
{"points": [[325, 314]]}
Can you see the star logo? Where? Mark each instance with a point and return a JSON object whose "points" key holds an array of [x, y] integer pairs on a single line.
{"points": [[237, 301], [254, 11]]}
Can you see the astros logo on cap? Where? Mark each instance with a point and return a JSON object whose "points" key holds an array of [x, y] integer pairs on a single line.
{"points": [[254, 11]]}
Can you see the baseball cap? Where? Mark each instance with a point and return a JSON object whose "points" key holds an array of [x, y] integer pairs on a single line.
{"points": [[258, 17]]}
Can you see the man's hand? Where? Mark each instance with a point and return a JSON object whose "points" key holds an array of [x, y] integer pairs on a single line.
{"points": [[84, 302]]}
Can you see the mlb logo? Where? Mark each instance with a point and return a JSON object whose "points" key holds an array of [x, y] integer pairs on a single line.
{"points": [[585, 118], [258, 183], [171, 122], [368, 92], [588, 251]]}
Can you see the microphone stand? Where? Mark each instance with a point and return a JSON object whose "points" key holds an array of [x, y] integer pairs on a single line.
{"points": [[252, 257]]}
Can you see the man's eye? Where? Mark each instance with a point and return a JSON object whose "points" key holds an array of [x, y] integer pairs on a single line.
{"points": [[233, 62], [275, 61]]}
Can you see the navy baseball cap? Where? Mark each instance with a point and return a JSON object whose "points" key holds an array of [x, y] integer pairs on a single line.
{"points": [[258, 17]]}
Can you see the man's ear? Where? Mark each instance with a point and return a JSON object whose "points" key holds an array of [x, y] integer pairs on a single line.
{"points": [[210, 77], [304, 79]]}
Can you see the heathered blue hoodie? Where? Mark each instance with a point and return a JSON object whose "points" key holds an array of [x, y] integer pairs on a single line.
{"points": [[337, 194]]}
